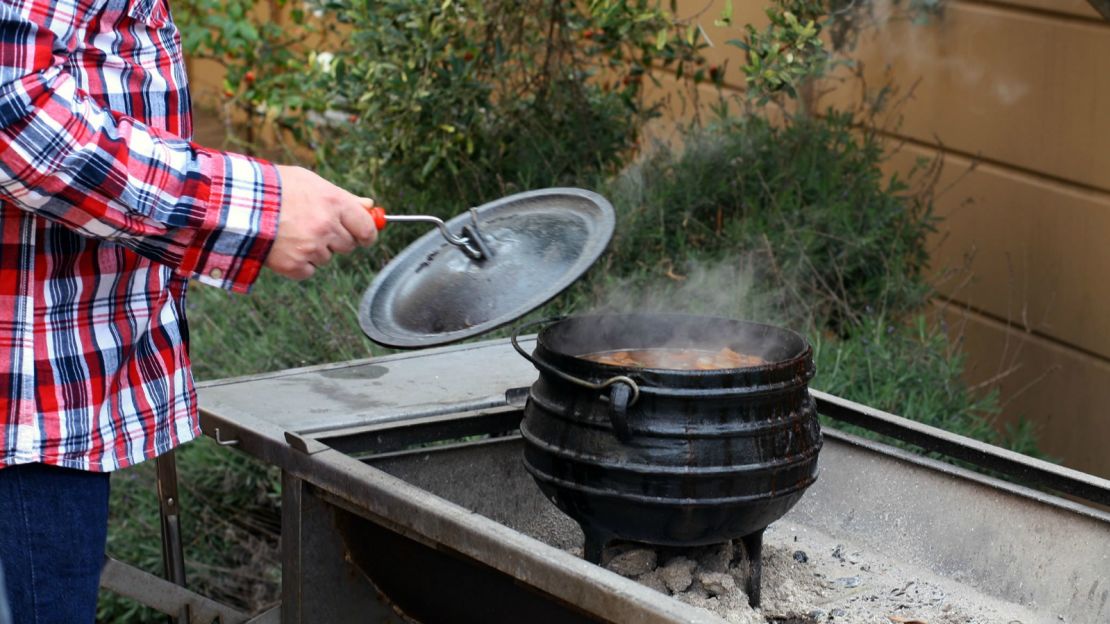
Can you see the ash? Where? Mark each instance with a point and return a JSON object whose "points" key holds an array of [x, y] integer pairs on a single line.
{"points": [[807, 578]]}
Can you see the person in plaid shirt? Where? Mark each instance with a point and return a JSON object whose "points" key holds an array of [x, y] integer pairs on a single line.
{"points": [[107, 211]]}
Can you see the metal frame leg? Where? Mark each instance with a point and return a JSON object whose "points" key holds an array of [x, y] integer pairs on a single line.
{"points": [[169, 508], [319, 582]]}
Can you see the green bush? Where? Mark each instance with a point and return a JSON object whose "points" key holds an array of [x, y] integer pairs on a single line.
{"points": [[467, 99], [805, 204], [804, 39], [913, 370], [440, 105]]}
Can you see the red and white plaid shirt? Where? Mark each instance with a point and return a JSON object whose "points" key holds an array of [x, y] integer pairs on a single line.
{"points": [[106, 212]]}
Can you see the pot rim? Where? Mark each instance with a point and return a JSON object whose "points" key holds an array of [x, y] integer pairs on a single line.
{"points": [[563, 359]]}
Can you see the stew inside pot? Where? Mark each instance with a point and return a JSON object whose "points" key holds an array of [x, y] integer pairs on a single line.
{"points": [[676, 359]]}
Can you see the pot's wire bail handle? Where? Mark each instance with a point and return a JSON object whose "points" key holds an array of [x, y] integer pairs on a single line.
{"points": [[623, 390]]}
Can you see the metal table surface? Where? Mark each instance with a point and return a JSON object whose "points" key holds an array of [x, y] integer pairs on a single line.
{"points": [[376, 391]]}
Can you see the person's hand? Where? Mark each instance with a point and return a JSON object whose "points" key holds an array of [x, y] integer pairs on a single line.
{"points": [[317, 219]]}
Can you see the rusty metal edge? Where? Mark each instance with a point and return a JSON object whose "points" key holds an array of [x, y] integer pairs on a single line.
{"points": [[959, 472], [1027, 470]]}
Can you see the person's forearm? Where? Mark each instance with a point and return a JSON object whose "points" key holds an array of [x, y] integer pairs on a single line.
{"points": [[205, 213]]}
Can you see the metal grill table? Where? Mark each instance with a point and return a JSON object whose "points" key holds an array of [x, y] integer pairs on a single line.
{"points": [[403, 485]]}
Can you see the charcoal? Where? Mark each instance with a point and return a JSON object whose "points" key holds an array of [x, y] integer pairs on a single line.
{"points": [[717, 583], [633, 562], [678, 574], [821, 591], [654, 580], [716, 558]]}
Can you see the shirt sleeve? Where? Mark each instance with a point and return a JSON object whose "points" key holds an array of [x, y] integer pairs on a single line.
{"points": [[208, 214]]}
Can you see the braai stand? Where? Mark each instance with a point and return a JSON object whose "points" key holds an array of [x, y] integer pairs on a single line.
{"points": [[402, 489]]}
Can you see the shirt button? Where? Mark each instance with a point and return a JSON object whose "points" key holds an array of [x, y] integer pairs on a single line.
{"points": [[216, 273]]}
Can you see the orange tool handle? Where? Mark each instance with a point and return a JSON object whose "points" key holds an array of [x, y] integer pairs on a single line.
{"points": [[378, 214]]}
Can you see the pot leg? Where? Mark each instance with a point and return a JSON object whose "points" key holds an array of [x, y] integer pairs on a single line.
{"points": [[595, 545], [753, 546]]}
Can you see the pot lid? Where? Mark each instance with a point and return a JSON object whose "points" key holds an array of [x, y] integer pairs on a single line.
{"points": [[538, 243]]}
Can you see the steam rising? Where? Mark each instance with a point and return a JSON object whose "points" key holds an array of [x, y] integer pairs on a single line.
{"points": [[933, 52], [728, 288]]}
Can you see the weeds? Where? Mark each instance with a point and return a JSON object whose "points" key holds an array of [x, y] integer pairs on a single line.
{"points": [[281, 324], [912, 369]]}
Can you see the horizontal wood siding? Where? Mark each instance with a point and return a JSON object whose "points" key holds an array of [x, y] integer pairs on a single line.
{"points": [[1015, 88], [1022, 249], [1021, 100], [1071, 8]]}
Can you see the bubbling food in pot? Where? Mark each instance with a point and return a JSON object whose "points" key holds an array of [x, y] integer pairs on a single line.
{"points": [[675, 359]]}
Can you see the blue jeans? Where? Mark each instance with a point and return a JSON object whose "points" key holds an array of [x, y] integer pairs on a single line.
{"points": [[53, 527], [5, 613]]}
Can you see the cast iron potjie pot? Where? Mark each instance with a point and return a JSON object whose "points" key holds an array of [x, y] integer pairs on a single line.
{"points": [[671, 457]]}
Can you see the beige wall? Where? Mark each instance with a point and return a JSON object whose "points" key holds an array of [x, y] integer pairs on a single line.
{"points": [[1017, 94]]}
